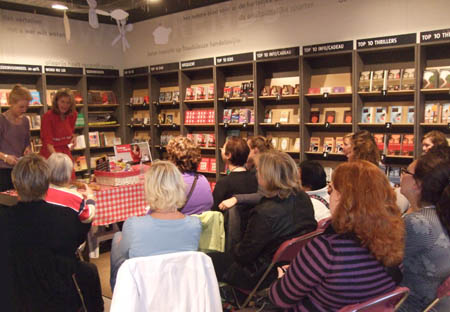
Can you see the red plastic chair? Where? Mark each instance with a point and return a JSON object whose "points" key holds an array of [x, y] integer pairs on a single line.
{"points": [[287, 251], [442, 291], [388, 302]]}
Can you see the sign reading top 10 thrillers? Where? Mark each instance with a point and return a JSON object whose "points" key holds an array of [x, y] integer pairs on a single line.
{"points": [[435, 35], [386, 41]]}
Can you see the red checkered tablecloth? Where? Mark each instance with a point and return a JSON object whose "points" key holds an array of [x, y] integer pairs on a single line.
{"points": [[117, 203]]}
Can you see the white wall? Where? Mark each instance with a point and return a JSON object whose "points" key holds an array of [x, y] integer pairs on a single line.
{"points": [[39, 40], [250, 25]]}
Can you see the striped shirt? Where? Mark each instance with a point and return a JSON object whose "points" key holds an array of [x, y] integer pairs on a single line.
{"points": [[330, 272], [63, 196]]}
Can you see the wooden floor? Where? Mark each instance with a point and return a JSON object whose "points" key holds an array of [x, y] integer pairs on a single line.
{"points": [[103, 266]]}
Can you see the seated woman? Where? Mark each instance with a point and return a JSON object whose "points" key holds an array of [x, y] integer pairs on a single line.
{"points": [[358, 255], [43, 240], [186, 156], [60, 193], [165, 229], [285, 212], [433, 138], [426, 184]]}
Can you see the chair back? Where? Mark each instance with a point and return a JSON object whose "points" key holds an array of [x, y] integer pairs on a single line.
{"points": [[390, 301]]}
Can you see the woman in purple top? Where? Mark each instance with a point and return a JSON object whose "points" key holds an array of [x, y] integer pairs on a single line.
{"points": [[14, 134], [186, 156], [357, 257]]}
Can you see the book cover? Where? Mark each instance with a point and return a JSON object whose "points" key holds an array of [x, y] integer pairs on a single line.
{"points": [[396, 114], [252, 116], [348, 116], [168, 96], [108, 97], [284, 116], [212, 165], [378, 80], [236, 92], [265, 91], [275, 90], [109, 137], [200, 93], [339, 145], [296, 147], [287, 90], [285, 144], [80, 142], [431, 112], [379, 140], [244, 115], [77, 97], [314, 145], [3, 98], [394, 144], [80, 163], [210, 94], [330, 116], [189, 94], [367, 115], [380, 114], [176, 96], [430, 79], [329, 144], [210, 140], [80, 120], [326, 90], [394, 80], [409, 79], [227, 92], [94, 139], [200, 139], [203, 166], [275, 142], [365, 79], [36, 98], [445, 112], [314, 91], [314, 116], [408, 145], [134, 152], [235, 114], [268, 116], [297, 89], [227, 115], [410, 116], [102, 163], [444, 78]]}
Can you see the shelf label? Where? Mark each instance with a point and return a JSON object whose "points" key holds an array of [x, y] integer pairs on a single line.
{"points": [[242, 57], [328, 47], [21, 68], [325, 155], [277, 125], [384, 92], [63, 70], [325, 95], [198, 63], [164, 67], [388, 41], [102, 72], [327, 125], [278, 53], [225, 125], [435, 35], [135, 71], [388, 125], [244, 125]]}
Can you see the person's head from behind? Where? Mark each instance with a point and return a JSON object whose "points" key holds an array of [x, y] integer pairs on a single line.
{"points": [[347, 147], [30, 177], [164, 187], [19, 99], [277, 174], [257, 144], [363, 202], [61, 167], [432, 176], [312, 175], [235, 151], [184, 154], [433, 138], [63, 102], [364, 147]]}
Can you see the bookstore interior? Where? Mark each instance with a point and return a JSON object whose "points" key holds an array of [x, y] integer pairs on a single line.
{"points": [[304, 98]]}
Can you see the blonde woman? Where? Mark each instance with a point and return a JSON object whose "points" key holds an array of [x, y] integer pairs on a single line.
{"points": [[285, 212], [165, 229], [14, 134]]}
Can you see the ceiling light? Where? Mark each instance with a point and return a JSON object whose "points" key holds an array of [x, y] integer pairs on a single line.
{"points": [[57, 6]]}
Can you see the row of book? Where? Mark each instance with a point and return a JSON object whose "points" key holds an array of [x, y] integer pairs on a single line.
{"points": [[34, 120], [99, 139], [286, 144], [329, 144], [200, 93], [170, 96], [199, 116], [282, 115], [36, 144], [169, 117], [207, 164], [436, 78], [274, 90], [322, 90], [437, 112], [140, 117], [203, 139], [35, 95], [101, 97], [165, 138], [381, 114], [390, 80], [238, 115], [244, 90], [141, 136], [331, 116], [139, 100], [395, 144]]}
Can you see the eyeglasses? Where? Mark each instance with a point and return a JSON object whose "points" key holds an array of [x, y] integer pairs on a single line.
{"points": [[405, 171]]}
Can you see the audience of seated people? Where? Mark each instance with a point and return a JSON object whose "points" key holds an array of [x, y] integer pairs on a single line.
{"points": [[426, 184], [284, 212], [358, 255], [165, 229], [186, 156], [433, 138], [43, 241]]}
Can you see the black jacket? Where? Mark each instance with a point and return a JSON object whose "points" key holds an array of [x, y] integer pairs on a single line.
{"points": [[271, 222]]}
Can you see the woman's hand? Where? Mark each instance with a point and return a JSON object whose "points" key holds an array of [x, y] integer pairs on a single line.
{"points": [[11, 160], [228, 203], [73, 142]]}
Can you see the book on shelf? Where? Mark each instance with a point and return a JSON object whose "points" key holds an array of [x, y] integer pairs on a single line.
{"points": [[35, 121], [275, 90], [244, 115], [101, 97], [94, 139], [200, 93], [252, 116], [313, 90], [314, 116], [431, 112], [444, 78], [35, 98], [408, 144], [445, 112], [36, 144], [190, 95], [4, 94], [408, 79], [210, 93], [380, 142], [297, 89], [395, 114], [108, 138], [236, 92], [367, 115], [212, 165], [247, 89], [314, 145], [80, 120], [285, 144], [380, 114], [77, 97], [410, 114], [379, 80], [348, 116], [394, 79], [139, 136], [80, 163], [176, 96], [284, 116], [102, 163], [393, 144], [168, 97], [268, 116], [200, 139], [227, 92], [329, 144], [210, 140], [296, 145], [162, 96], [339, 145], [265, 91], [430, 79], [80, 141], [275, 142], [203, 166], [227, 115], [365, 81], [330, 116], [326, 90], [287, 90]]}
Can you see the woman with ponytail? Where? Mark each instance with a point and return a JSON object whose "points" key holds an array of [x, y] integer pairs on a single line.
{"points": [[426, 184]]}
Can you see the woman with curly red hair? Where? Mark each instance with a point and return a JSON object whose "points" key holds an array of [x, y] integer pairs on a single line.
{"points": [[357, 257]]}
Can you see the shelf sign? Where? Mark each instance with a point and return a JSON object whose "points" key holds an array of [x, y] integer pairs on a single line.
{"points": [[278, 53], [135, 71], [63, 70], [198, 63], [20, 68], [102, 72], [435, 35], [164, 67], [243, 57], [388, 41], [328, 47]]}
